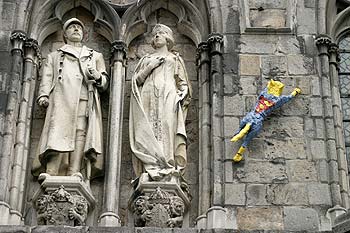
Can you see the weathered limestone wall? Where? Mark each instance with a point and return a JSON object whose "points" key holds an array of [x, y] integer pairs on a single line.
{"points": [[284, 182]]}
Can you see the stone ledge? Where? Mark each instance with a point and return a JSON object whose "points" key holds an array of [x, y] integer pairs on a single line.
{"points": [[67, 229]]}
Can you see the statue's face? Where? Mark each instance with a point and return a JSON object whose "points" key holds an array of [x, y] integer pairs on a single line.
{"points": [[74, 33], [159, 39]]}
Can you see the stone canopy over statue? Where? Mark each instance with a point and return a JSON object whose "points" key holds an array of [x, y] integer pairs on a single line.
{"points": [[161, 93], [71, 141]]}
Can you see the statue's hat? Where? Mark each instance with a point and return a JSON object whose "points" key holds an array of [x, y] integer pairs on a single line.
{"points": [[71, 21]]}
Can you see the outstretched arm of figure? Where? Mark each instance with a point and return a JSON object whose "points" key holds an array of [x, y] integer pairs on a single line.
{"points": [[286, 98]]}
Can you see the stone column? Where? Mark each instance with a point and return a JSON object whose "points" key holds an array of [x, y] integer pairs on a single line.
{"points": [[113, 159], [17, 39], [216, 214], [323, 42], [333, 51], [203, 66], [31, 51]]}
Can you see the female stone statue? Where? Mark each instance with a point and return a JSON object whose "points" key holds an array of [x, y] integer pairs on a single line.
{"points": [[161, 93]]}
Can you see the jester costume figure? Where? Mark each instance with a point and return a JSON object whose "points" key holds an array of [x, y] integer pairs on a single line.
{"points": [[269, 99]]}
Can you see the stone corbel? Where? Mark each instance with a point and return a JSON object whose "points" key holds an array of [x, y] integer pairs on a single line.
{"points": [[116, 101]]}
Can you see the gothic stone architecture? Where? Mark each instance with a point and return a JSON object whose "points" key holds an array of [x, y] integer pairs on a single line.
{"points": [[295, 173]]}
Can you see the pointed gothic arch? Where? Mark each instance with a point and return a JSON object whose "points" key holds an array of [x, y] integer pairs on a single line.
{"points": [[50, 18], [191, 22]]}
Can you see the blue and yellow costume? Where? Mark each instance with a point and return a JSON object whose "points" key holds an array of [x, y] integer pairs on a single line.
{"points": [[268, 100]]}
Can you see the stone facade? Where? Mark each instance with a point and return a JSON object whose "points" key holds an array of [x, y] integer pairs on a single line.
{"points": [[295, 174]]}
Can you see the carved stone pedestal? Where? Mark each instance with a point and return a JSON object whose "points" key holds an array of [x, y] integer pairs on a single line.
{"points": [[159, 203], [63, 200]]}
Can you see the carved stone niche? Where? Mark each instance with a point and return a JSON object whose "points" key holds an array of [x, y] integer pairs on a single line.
{"points": [[63, 200], [160, 203]]}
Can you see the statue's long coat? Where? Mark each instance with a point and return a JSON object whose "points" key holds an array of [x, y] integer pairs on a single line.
{"points": [[64, 89]]}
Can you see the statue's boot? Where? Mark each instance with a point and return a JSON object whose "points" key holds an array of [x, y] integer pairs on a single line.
{"points": [[76, 159], [53, 164], [239, 156], [241, 133]]}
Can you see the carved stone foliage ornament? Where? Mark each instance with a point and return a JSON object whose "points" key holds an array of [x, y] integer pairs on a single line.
{"points": [[159, 209], [61, 208]]}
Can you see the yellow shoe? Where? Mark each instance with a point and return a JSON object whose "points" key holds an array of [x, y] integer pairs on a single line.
{"points": [[237, 158]]}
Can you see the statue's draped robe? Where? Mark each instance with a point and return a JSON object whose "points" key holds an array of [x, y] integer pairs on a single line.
{"points": [[157, 117], [65, 86]]}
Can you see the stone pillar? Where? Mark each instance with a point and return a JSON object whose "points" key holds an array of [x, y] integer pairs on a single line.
{"points": [[203, 66], [22, 132], [333, 51], [112, 178], [216, 213], [17, 39], [323, 42]]}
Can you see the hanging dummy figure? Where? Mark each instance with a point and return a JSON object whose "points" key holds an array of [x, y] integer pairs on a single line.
{"points": [[269, 99]]}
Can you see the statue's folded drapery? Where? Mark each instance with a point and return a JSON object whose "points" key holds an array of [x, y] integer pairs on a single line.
{"points": [[157, 116]]}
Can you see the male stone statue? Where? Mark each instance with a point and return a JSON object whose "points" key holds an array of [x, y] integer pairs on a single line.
{"points": [[71, 140]]}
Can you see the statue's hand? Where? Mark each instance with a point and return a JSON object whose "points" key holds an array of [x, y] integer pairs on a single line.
{"points": [[156, 62], [183, 93], [296, 91], [92, 73], [43, 101]]}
